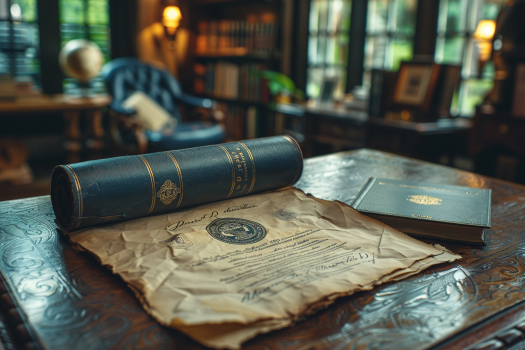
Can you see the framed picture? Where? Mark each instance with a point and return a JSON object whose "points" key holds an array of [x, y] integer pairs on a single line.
{"points": [[327, 90], [415, 85], [518, 103]]}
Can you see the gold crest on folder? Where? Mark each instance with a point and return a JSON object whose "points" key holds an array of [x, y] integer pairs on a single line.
{"points": [[168, 192], [424, 200]]}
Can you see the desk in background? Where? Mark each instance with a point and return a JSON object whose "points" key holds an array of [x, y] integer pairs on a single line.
{"points": [[325, 131], [55, 298], [498, 144], [71, 108]]}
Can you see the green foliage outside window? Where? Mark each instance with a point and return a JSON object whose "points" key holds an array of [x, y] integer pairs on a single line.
{"points": [[455, 44], [86, 19], [28, 8]]}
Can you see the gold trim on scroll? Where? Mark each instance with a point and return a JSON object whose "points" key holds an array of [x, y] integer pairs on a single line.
{"points": [[233, 170], [180, 178], [79, 189], [153, 189]]}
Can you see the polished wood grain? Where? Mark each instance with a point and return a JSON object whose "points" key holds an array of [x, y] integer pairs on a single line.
{"points": [[64, 299], [52, 103], [71, 108]]}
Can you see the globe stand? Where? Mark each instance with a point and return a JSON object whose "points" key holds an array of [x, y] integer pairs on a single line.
{"points": [[78, 89]]}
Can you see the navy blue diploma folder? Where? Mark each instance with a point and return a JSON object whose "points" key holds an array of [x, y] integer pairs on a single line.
{"points": [[116, 189]]}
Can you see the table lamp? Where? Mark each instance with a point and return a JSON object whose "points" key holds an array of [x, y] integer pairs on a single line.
{"points": [[484, 34], [171, 17]]}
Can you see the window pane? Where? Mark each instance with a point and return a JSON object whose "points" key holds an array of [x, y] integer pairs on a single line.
{"points": [[398, 50], [313, 22], [19, 50], [72, 11], [323, 15], [312, 50], [449, 50], [377, 16], [472, 93], [345, 16], [340, 74], [327, 42], [390, 33], [4, 14], [85, 19], [403, 16], [98, 12], [337, 50], [321, 49], [375, 51], [315, 77], [341, 52], [28, 8], [452, 15]]}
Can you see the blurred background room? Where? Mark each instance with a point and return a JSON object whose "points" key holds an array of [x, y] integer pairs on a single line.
{"points": [[436, 80]]}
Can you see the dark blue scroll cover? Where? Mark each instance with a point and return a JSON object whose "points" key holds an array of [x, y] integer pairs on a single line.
{"points": [[117, 189]]}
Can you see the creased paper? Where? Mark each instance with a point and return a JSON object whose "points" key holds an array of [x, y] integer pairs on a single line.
{"points": [[225, 272]]}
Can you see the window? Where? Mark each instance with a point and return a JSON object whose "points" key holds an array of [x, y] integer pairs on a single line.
{"points": [[19, 39], [390, 32], [390, 28], [85, 19], [329, 28], [455, 44]]}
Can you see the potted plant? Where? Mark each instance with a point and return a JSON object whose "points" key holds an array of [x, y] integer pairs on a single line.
{"points": [[281, 87]]}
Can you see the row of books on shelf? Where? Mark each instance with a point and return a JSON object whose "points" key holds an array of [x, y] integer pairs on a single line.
{"points": [[236, 37], [231, 81], [241, 122]]}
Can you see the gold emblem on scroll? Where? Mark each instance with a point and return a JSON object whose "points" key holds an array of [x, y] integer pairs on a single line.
{"points": [[168, 192], [424, 200]]}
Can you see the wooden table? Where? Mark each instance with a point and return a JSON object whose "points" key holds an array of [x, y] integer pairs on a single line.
{"points": [[56, 298], [71, 108]]}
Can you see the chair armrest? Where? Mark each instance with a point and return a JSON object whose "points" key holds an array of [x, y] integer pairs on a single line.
{"points": [[124, 123], [117, 107], [196, 101]]}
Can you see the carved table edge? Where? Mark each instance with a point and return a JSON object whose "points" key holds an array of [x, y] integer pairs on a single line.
{"points": [[19, 331], [502, 337]]}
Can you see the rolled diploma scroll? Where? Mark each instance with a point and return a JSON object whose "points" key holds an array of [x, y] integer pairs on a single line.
{"points": [[116, 189]]}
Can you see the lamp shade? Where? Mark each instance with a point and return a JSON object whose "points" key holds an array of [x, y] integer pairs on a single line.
{"points": [[485, 29], [171, 17]]}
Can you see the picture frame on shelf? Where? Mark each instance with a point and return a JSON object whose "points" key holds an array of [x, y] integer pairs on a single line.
{"points": [[415, 85], [327, 90]]}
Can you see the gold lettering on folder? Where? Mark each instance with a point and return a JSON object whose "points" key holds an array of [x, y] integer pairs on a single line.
{"points": [[424, 200]]}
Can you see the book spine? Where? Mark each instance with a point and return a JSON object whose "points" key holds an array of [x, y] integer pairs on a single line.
{"points": [[362, 193], [112, 190]]}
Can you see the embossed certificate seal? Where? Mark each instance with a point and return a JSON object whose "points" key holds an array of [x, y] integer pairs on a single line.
{"points": [[236, 231], [168, 192]]}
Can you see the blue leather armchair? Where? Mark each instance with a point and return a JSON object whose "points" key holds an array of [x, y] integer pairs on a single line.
{"points": [[124, 76]]}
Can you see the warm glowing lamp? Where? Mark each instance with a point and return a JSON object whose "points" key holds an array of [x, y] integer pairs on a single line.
{"points": [[484, 34], [485, 30], [171, 19]]}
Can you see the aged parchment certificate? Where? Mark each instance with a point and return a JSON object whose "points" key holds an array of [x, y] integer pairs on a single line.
{"points": [[225, 272]]}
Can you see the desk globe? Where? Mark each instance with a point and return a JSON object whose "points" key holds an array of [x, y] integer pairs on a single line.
{"points": [[82, 60]]}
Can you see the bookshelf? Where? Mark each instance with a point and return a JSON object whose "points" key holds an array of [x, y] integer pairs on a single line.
{"points": [[233, 41]]}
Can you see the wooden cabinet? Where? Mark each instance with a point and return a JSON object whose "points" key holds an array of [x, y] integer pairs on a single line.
{"points": [[497, 143]]}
